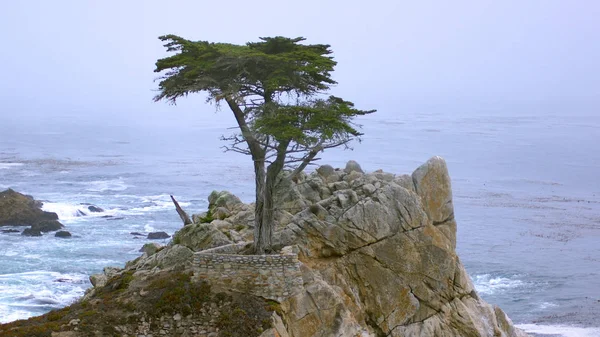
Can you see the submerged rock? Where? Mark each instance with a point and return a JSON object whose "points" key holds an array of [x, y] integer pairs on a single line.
{"points": [[47, 226], [31, 232], [95, 209], [158, 236], [62, 234]]}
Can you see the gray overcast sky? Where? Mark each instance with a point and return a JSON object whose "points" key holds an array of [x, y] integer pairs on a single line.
{"points": [[64, 58]]}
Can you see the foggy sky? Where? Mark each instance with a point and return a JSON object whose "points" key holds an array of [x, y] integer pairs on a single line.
{"points": [[76, 59]]}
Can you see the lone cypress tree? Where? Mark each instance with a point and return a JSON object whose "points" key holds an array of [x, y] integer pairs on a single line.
{"points": [[274, 88]]}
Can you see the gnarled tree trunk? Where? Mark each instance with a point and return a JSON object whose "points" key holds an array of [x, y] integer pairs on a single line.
{"points": [[259, 234], [263, 235]]}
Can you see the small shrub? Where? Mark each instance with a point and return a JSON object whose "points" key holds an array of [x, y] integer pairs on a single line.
{"points": [[247, 317], [56, 315], [274, 306], [176, 293], [207, 218], [87, 314]]}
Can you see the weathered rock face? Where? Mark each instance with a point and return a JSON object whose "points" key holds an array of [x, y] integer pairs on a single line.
{"points": [[375, 257], [379, 259], [150, 248], [200, 236]]}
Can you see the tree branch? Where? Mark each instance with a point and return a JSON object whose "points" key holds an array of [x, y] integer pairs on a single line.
{"points": [[253, 144], [182, 214], [307, 159]]}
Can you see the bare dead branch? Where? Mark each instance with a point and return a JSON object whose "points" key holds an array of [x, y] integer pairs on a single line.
{"points": [[182, 214]]}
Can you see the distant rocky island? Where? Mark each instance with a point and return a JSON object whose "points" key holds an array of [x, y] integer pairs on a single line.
{"points": [[358, 254], [17, 209]]}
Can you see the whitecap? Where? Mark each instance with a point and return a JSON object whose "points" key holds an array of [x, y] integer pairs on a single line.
{"points": [[65, 211], [148, 228], [31, 256], [560, 330], [487, 284], [9, 253], [9, 314], [547, 305], [76, 211], [149, 203], [154, 203], [23, 295], [107, 185], [6, 166]]}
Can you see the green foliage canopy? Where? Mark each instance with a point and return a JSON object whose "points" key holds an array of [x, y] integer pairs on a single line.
{"points": [[275, 89], [273, 66]]}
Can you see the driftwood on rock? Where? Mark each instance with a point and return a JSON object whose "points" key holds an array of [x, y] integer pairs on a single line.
{"points": [[182, 214]]}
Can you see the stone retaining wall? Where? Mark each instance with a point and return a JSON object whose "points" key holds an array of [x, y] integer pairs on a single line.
{"points": [[230, 249], [273, 277]]}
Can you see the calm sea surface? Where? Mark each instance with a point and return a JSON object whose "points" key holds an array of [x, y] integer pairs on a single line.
{"points": [[526, 194]]}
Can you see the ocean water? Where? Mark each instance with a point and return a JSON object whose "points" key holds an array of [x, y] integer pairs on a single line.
{"points": [[525, 184]]}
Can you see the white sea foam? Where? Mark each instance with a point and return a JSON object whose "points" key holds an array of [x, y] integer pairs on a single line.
{"points": [[9, 253], [155, 203], [547, 305], [24, 294], [67, 211], [10, 313], [487, 284], [107, 185], [6, 166], [560, 330], [31, 256], [148, 228]]}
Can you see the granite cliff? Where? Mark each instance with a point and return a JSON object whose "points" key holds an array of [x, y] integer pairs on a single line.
{"points": [[358, 255]]}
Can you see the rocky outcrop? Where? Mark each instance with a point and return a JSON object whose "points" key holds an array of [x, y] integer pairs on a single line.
{"points": [[362, 254], [200, 236], [150, 248], [17, 209], [379, 259]]}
